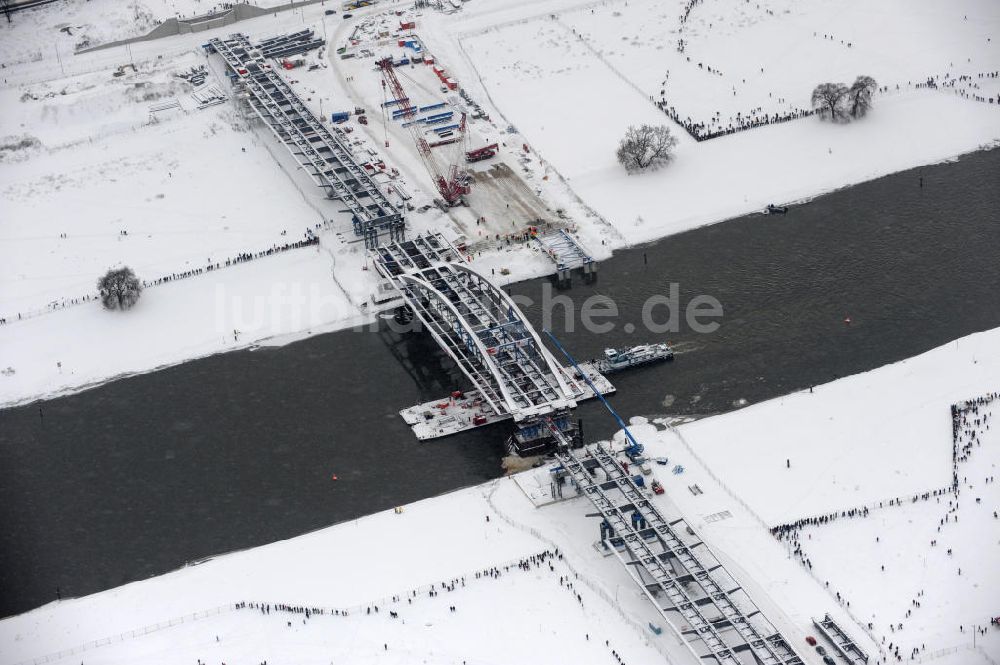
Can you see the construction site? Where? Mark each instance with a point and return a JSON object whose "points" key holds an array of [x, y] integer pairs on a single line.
{"points": [[276, 171], [422, 271]]}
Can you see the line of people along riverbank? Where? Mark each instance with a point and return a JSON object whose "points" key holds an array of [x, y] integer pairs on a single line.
{"points": [[393, 606], [970, 419], [243, 257]]}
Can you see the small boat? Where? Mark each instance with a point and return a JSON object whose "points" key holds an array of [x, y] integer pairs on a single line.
{"points": [[615, 360], [775, 210]]}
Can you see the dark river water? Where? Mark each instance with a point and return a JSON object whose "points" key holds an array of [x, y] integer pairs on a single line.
{"points": [[138, 477]]}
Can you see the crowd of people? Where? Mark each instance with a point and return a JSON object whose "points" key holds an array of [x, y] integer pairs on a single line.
{"points": [[309, 239], [969, 420], [967, 86], [243, 257], [543, 559], [703, 131], [433, 590], [685, 15]]}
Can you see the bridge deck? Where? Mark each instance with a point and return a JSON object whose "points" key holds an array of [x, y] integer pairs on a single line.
{"points": [[479, 326], [321, 153], [692, 591]]}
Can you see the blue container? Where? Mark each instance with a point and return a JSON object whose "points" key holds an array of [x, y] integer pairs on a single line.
{"points": [[439, 116]]}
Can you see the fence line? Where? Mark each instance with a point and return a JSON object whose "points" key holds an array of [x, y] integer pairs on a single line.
{"points": [[604, 595], [764, 525], [947, 651], [129, 634], [239, 605]]}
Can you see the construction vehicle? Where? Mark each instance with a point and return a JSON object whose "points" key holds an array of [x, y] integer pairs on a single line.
{"points": [[451, 180], [479, 154]]}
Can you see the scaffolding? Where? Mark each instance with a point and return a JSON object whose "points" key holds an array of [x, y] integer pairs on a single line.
{"points": [[320, 152], [692, 591]]}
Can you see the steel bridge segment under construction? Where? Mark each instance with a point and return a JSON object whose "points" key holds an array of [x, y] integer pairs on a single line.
{"points": [[320, 152], [719, 617], [479, 326], [564, 250]]}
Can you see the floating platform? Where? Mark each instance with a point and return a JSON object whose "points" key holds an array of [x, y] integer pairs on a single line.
{"points": [[450, 415]]}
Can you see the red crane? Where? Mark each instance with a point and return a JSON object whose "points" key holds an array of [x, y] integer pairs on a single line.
{"points": [[451, 180]]}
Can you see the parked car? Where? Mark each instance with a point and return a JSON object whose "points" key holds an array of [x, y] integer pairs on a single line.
{"points": [[348, 15], [829, 661], [330, 12], [820, 650], [810, 640]]}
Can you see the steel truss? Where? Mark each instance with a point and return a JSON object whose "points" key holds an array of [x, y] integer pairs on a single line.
{"points": [[684, 586], [321, 153], [840, 640], [479, 326]]}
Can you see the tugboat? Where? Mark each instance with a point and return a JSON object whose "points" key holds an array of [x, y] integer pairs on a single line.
{"points": [[615, 360]]}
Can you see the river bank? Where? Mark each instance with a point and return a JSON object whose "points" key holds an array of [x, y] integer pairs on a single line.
{"points": [[138, 476]]}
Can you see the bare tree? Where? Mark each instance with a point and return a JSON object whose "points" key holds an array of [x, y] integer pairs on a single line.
{"points": [[646, 146], [860, 95], [828, 100], [119, 288]]}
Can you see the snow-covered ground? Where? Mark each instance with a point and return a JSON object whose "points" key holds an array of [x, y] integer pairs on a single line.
{"points": [[391, 559], [63, 27], [785, 48], [882, 441], [84, 156], [571, 92], [275, 298], [894, 443], [188, 189]]}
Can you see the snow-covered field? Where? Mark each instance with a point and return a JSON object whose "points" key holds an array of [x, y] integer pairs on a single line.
{"points": [[187, 189], [526, 615], [784, 49], [285, 296], [63, 27], [882, 441], [572, 84]]}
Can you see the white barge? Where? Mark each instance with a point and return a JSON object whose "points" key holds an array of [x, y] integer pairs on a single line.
{"points": [[615, 360], [463, 411]]}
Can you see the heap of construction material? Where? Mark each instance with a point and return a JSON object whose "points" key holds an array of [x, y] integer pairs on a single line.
{"points": [[283, 46]]}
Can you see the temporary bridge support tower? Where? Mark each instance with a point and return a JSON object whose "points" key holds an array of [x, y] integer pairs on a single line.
{"points": [[567, 254], [692, 591], [320, 152]]}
